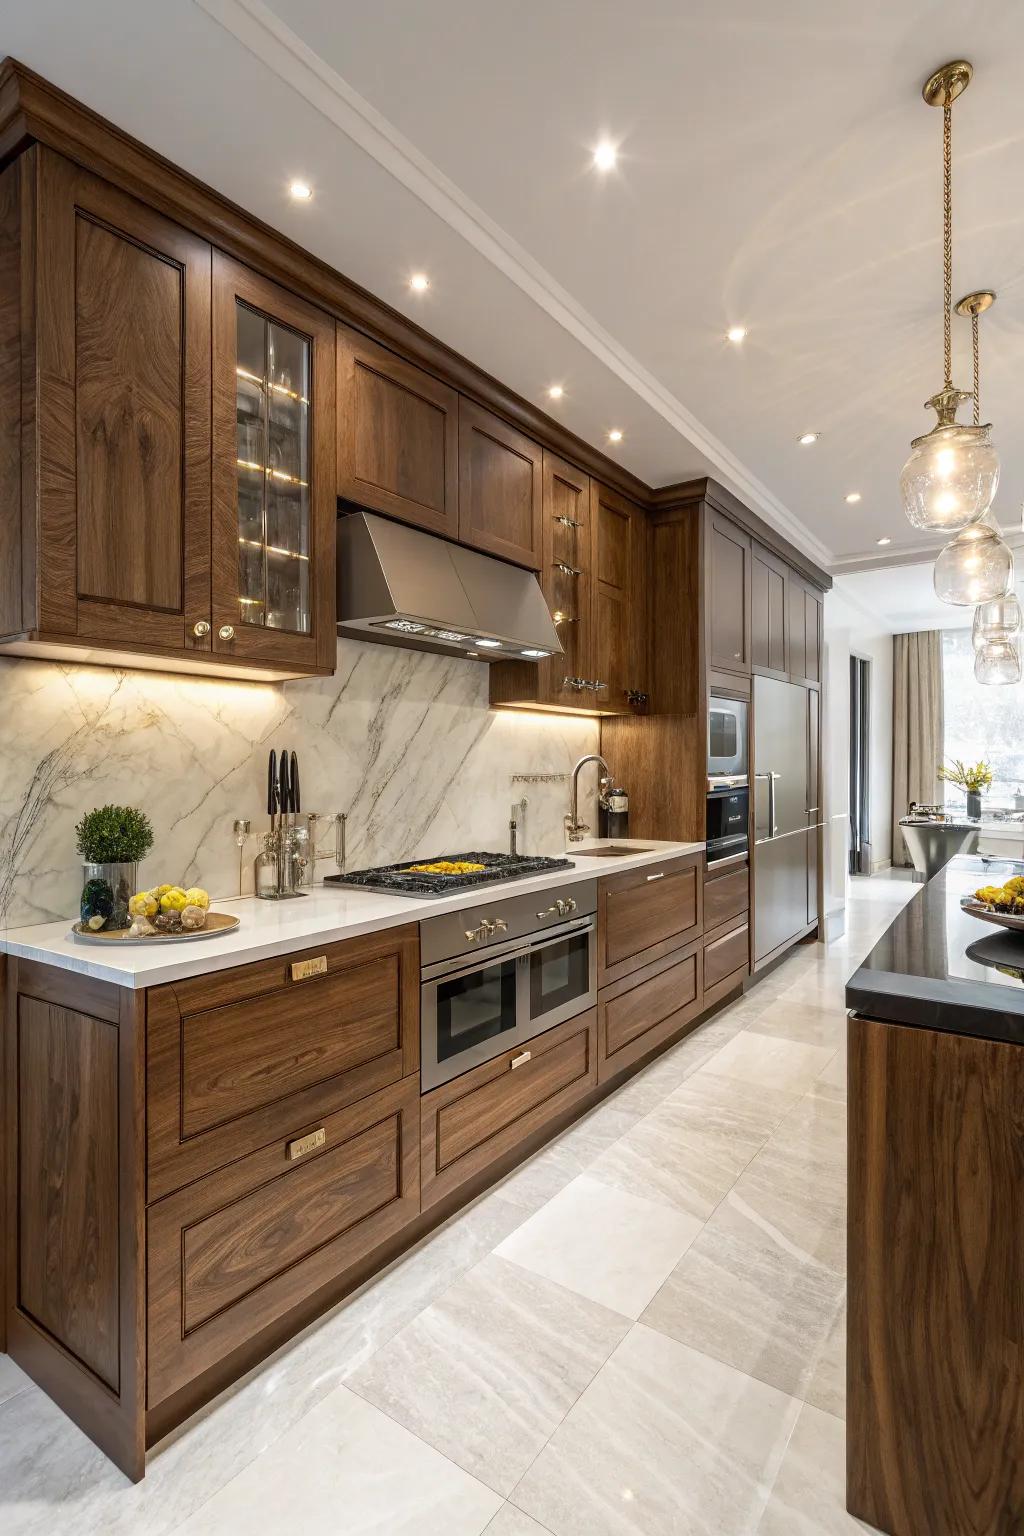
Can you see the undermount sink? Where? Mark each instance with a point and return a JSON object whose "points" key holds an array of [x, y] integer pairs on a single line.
{"points": [[612, 851]]}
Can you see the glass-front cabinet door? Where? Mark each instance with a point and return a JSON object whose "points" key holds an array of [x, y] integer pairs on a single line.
{"points": [[273, 474]]}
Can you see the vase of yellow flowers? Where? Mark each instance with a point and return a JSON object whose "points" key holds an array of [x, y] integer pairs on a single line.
{"points": [[971, 779]]}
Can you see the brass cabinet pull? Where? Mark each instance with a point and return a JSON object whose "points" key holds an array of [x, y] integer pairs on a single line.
{"points": [[302, 969], [656, 877], [518, 1061], [303, 1144]]}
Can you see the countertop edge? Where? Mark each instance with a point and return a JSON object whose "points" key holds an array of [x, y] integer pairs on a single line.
{"points": [[244, 947]]}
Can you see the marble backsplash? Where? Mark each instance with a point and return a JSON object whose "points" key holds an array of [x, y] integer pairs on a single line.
{"points": [[402, 741]]}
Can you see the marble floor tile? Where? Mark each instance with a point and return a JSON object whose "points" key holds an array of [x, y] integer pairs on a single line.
{"points": [[12, 1378], [488, 1372], [800, 1200], [809, 1496], [832, 1080], [743, 1294], [689, 1152], [664, 1440], [811, 1023], [348, 1467], [826, 1388], [603, 1243], [768, 1062], [510, 1521]]}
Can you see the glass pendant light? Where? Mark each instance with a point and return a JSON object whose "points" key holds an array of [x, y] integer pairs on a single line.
{"points": [[997, 662], [952, 473], [995, 621], [975, 567]]}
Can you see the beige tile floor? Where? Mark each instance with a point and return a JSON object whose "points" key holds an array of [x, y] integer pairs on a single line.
{"points": [[639, 1331]]}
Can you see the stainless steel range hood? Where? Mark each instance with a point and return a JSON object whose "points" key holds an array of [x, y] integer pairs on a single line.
{"points": [[404, 587]]}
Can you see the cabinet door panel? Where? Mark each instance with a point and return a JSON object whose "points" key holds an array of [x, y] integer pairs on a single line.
{"points": [[499, 487], [796, 599], [768, 618], [642, 1011], [567, 543], [728, 595], [647, 913], [274, 474], [812, 637], [123, 343], [398, 436], [620, 646]]}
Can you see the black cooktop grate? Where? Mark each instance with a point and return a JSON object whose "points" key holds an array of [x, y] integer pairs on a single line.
{"points": [[401, 880]]}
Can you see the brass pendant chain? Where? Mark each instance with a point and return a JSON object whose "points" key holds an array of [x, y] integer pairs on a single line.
{"points": [[977, 370], [947, 242]]}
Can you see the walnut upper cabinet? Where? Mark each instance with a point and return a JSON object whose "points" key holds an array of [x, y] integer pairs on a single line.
{"points": [[114, 547], [621, 642], [727, 595], [274, 496], [804, 611], [500, 487], [398, 436], [769, 628]]}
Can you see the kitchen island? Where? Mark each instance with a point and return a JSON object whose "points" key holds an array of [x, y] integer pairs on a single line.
{"points": [[935, 1393], [208, 1146]]}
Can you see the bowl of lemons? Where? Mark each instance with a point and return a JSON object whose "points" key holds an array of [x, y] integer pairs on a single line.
{"points": [[999, 904], [164, 912]]}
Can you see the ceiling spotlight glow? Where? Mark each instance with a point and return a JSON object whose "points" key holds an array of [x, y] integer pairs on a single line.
{"points": [[605, 156], [883, 541], [615, 436], [736, 333], [301, 191], [555, 392], [853, 498], [807, 438], [419, 282]]}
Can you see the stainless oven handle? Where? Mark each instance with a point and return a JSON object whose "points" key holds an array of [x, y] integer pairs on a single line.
{"points": [[583, 925], [732, 858], [482, 961]]}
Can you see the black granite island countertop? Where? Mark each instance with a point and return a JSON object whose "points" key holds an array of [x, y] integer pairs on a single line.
{"points": [[936, 967]]}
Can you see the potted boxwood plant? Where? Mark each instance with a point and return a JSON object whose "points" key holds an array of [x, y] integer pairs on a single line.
{"points": [[970, 779], [111, 841]]}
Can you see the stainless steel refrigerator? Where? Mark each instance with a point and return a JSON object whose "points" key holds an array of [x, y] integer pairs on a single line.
{"points": [[787, 816]]}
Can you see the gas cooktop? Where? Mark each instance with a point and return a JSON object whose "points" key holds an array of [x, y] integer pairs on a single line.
{"points": [[404, 880]]}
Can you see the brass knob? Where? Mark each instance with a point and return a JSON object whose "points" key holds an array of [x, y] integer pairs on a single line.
{"points": [[200, 629], [226, 632]]}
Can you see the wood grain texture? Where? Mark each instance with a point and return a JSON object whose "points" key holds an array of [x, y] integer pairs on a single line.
{"points": [[638, 915], [769, 617], [727, 594], [123, 340], [241, 1057], [499, 487], [725, 955], [644, 1009], [726, 896], [468, 1123], [254, 642], [692, 493], [398, 436], [241, 1247], [935, 1394], [67, 1186], [621, 646], [129, 420], [10, 400]]}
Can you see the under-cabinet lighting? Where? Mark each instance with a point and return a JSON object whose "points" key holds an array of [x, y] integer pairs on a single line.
{"points": [[488, 645], [277, 389], [535, 655], [272, 474]]}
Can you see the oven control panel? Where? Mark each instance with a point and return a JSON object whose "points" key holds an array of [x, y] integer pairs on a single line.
{"points": [[502, 921]]}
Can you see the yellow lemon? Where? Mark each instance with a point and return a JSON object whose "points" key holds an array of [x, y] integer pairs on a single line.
{"points": [[173, 900], [195, 896], [143, 904], [161, 890]]}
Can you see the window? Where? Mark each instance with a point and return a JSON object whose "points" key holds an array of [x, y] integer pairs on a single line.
{"points": [[981, 722]]}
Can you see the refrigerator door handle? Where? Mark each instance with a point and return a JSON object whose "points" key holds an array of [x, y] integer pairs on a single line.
{"points": [[772, 823]]}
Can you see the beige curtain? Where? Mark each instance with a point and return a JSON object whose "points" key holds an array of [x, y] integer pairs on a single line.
{"points": [[917, 721]]}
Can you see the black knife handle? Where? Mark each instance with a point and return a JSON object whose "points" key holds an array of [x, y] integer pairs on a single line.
{"points": [[284, 796], [272, 784], [296, 793]]}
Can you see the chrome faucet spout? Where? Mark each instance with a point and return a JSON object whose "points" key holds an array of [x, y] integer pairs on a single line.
{"points": [[576, 830]]}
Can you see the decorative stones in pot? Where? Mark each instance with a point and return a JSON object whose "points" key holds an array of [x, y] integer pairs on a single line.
{"points": [[111, 841]]}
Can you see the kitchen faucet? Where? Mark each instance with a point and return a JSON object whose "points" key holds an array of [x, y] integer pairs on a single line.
{"points": [[575, 829]]}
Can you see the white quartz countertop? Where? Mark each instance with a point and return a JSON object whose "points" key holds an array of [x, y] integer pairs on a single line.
{"points": [[328, 913]]}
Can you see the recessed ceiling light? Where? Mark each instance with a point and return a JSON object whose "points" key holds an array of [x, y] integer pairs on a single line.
{"points": [[555, 392], [883, 541], [419, 282], [301, 191], [807, 438], [615, 436], [853, 497], [605, 156], [736, 333]]}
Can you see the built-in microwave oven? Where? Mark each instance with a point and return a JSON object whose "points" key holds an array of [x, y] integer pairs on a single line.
{"points": [[727, 738]]}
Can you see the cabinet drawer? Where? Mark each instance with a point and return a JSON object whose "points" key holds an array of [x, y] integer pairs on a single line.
{"points": [[236, 1250], [234, 1060], [725, 955], [645, 1009], [647, 913], [725, 897], [473, 1121]]}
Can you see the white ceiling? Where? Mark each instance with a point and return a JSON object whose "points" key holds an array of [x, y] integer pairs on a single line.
{"points": [[777, 169]]}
